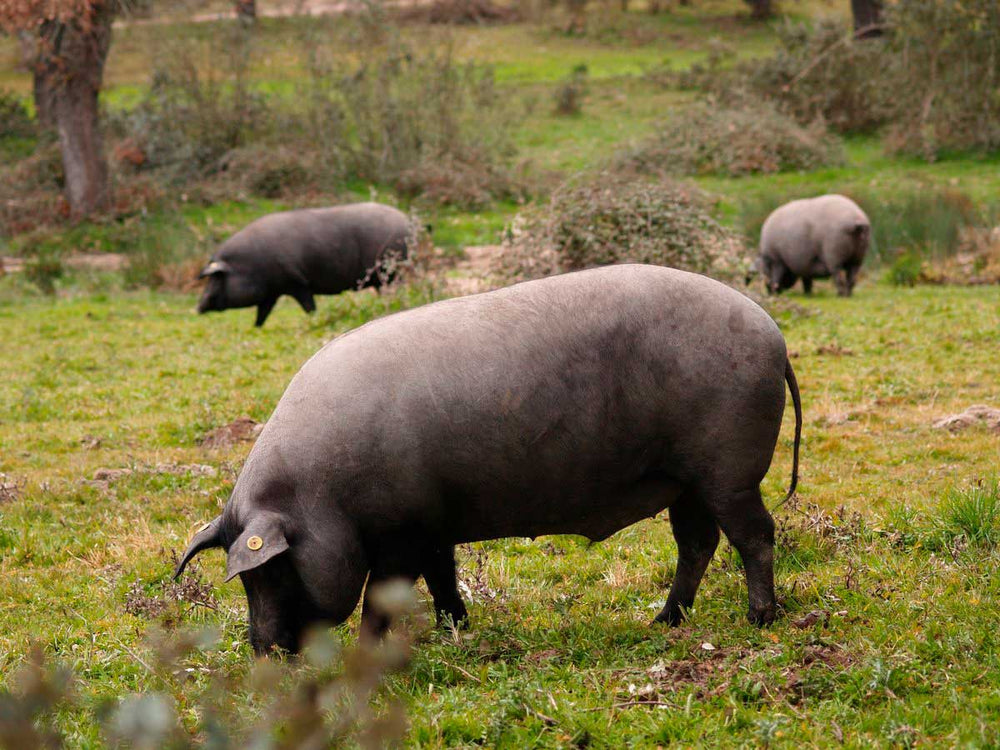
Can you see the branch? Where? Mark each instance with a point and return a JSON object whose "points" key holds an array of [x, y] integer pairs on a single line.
{"points": [[822, 55]]}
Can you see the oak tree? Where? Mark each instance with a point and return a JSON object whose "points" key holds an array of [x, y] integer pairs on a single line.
{"points": [[68, 43]]}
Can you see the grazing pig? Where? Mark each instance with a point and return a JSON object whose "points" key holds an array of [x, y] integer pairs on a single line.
{"points": [[302, 253], [814, 238], [575, 404]]}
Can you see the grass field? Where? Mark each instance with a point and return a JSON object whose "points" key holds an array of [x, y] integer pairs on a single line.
{"points": [[886, 561], [905, 649]]}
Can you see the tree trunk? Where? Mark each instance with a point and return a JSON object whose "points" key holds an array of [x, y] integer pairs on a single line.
{"points": [[246, 11], [760, 9], [67, 79], [867, 18]]}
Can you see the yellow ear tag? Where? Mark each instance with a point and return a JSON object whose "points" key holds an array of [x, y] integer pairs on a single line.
{"points": [[255, 543]]}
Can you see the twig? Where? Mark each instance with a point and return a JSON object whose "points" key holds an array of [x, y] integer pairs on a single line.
{"points": [[548, 720], [629, 704], [458, 668], [822, 55], [136, 656]]}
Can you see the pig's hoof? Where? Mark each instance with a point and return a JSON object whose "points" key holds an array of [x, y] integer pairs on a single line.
{"points": [[761, 616], [458, 618], [671, 615]]}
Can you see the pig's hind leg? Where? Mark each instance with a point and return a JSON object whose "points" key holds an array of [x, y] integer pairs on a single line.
{"points": [[442, 581], [697, 536]]}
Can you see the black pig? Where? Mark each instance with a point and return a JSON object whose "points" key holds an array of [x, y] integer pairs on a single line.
{"points": [[303, 253], [576, 404]]}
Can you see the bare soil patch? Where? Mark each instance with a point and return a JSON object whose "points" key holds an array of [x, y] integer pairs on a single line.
{"points": [[240, 430], [104, 477], [475, 272], [975, 415]]}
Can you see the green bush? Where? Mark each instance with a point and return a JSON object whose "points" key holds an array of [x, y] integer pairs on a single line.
{"points": [[607, 218], [751, 139], [402, 107], [905, 270], [370, 106], [14, 119], [43, 271]]}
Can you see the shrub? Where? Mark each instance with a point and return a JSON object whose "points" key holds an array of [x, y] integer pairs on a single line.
{"points": [[819, 72], [404, 106], [570, 93], [466, 180], [607, 218], [753, 138], [372, 106], [269, 171], [951, 49], [43, 271], [932, 79], [191, 117], [14, 119], [332, 697], [905, 270], [460, 12]]}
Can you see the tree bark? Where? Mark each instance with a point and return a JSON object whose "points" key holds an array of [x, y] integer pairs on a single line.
{"points": [[760, 9], [246, 11], [867, 18], [67, 79]]}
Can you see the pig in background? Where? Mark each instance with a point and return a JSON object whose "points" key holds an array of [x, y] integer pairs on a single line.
{"points": [[304, 253], [813, 238]]}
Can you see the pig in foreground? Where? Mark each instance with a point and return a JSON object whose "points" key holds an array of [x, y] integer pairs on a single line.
{"points": [[303, 253], [575, 404], [813, 238]]}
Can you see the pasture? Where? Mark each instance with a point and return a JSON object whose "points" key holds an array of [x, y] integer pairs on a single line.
{"points": [[886, 558]]}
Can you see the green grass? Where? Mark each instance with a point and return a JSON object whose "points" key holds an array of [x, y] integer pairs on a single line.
{"points": [[908, 648]]}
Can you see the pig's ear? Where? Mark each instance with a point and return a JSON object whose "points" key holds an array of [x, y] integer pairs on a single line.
{"points": [[262, 539], [206, 538], [216, 266]]}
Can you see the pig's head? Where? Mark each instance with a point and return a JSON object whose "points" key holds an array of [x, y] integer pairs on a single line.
{"points": [[757, 266], [292, 580], [227, 288]]}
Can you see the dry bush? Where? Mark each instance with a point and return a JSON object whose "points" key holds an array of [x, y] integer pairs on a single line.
{"points": [[459, 12], [326, 700], [975, 263], [609, 218], [467, 181], [192, 116], [753, 138], [932, 79], [945, 76], [403, 107], [373, 106], [818, 73]]}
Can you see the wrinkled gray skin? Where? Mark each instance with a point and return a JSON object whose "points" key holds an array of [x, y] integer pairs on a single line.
{"points": [[576, 404], [814, 238], [302, 253]]}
